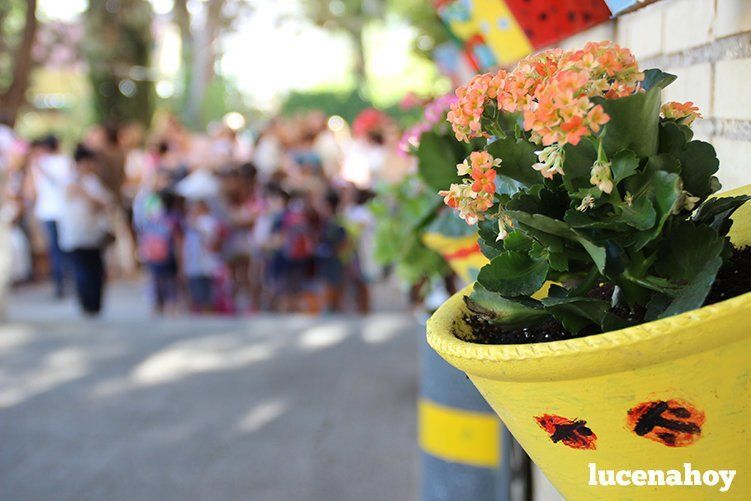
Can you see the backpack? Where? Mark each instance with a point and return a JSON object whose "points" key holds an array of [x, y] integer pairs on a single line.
{"points": [[298, 242], [155, 245]]}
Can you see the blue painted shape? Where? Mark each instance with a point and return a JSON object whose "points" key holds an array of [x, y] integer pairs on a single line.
{"points": [[618, 6]]}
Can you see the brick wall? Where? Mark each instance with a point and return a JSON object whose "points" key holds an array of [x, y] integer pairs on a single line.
{"points": [[707, 43]]}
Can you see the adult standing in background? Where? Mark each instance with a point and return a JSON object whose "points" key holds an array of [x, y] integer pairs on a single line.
{"points": [[84, 228], [51, 172]]}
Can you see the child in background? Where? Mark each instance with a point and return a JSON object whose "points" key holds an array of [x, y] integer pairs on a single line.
{"points": [[332, 240], [360, 268], [160, 237], [294, 234], [84, 230], [201, 254]]}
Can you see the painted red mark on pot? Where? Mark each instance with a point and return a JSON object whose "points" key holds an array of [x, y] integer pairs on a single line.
{"points": [[674, 423], [571, 432]]}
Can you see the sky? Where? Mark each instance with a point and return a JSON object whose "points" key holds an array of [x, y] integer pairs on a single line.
{"points": [[274, 51]]}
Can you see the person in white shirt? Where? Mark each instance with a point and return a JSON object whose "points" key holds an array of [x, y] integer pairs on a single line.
{"points": [[84, 229], [51, 172]]}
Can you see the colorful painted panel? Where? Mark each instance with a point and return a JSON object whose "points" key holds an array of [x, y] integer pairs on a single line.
{"points": [[500, 32], [546, 23]]}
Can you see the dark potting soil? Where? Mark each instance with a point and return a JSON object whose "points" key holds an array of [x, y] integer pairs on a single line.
{"points": [[733, 279]]}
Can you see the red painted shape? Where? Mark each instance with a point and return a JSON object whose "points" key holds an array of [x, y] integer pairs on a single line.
{"points": [[571, 432], [463, 252], [546, 22], [674, 423]]}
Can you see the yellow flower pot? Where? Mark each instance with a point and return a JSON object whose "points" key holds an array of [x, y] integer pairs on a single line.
{"points": [[651, 397]]}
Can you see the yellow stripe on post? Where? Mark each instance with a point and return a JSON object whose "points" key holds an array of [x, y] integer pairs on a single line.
{"points": [[458, 435]]}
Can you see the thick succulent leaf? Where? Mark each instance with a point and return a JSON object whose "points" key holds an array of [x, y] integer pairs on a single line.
{"points": [[699, 163], [561, 229], [716, 212], [517, 157], [517, 241], [437, 157], [577, 166], [665, 162], [689, 258], [663, 191], [634, 121], [576, 313], [513, 273], [655, 78], [640, 214], [673, 136], [693, 295], [495, 308], [685, 250], [624, 164]]}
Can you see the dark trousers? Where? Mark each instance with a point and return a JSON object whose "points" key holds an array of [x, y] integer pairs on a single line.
{"points": [[57, 257], [88, 271]]}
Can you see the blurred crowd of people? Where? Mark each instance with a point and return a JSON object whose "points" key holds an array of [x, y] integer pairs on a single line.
{"points": [[219, 221]]}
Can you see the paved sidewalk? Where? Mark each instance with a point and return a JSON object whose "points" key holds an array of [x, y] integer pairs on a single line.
{"points": [[266, 408]]}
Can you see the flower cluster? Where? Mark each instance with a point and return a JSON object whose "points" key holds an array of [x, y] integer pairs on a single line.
{"points": [[474, 196], [552, 91], [684, 112], [466, 113]]}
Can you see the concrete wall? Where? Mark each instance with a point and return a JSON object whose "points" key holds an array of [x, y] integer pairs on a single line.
{"points": [[707, 43]]}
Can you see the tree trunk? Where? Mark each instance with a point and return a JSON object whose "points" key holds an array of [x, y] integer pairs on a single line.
{"points": [[14, 97], [203, 58]]}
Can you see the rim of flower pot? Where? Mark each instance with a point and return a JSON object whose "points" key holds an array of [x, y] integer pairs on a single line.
{"points": [[646, 344]]}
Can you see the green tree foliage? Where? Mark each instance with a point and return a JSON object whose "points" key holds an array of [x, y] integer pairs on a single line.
{"points": [[118, 47]]}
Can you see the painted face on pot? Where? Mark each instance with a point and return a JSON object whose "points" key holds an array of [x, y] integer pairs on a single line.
{"points": [[674, 423], [570, 432]]}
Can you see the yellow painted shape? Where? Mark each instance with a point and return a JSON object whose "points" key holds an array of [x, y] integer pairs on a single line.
{"points": [[701, 356], [459, 436], [508, 43], [448, 247]]}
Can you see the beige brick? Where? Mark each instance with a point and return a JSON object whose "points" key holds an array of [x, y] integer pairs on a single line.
{"points": [[694, 83], [734, 166], [687, 23], [601, 32], [733, 16], [732, 98], [641, 31]]}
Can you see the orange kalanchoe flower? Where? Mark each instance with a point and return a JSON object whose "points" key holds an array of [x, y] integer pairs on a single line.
{"points": [[552, 90], [473, 196], [684, 112]]}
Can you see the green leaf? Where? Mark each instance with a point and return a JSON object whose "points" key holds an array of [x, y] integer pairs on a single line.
{"points": [[673, 136], [437, 157], [624, 164], [576, 313], [640, 214], [657, 79], [634, 122], [663, 191], [513, 273], [517, 241], [517, 157], [689, 257], [716, 212], [664, 162], [496, 309], [561, 229], [699, 164], [577, 165], [597, 253]]}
